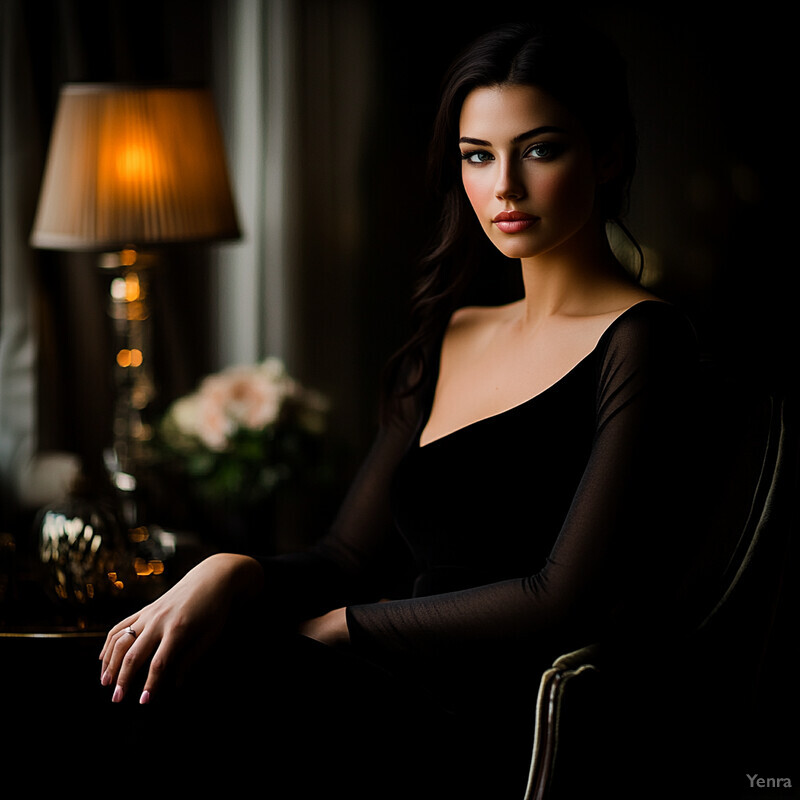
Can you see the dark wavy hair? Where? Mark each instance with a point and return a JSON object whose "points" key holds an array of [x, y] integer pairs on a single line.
{"points": [[581, 69]]}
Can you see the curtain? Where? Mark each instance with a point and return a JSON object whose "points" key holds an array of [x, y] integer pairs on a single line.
{"points": [[19, 158], [295, 85]]}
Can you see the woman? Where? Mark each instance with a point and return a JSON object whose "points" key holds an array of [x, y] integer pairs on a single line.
{"points": [[527, 449]]}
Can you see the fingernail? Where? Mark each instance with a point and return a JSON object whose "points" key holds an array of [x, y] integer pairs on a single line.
{"points": [[145, 698], [117, 695], [105, 679]]}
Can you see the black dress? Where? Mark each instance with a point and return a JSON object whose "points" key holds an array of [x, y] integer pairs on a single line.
{"points": [[508, 542]]}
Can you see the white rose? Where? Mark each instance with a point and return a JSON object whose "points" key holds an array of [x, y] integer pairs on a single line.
{"points": [[185, 414]]}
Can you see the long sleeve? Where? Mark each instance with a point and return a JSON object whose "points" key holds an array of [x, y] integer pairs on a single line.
{"points": [[361, 558]]}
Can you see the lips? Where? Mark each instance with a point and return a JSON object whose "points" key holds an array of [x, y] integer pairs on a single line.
{"points": [[514, 221]]}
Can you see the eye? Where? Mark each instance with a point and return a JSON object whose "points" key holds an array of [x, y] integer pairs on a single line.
{"points": [[476, 157], [543, 151]]}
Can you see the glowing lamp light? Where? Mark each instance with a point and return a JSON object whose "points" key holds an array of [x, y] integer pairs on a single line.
{"points": [[131, 169]]}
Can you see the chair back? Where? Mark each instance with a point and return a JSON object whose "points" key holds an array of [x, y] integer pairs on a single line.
{"points": [[695, 698]]}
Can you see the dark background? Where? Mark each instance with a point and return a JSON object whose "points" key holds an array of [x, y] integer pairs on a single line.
{"points": [[712, 199]]}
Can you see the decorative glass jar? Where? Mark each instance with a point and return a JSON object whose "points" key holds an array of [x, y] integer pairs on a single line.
{"points": [[82, 552]]}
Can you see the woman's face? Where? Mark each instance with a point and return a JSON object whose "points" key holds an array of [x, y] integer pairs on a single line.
{"points": [[528, 169]]}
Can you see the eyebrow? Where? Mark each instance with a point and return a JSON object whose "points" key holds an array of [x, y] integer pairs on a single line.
{"points": [[527, 135]]}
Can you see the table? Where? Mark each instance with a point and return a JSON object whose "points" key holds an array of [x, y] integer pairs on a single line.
{"points": [[54, 713]]}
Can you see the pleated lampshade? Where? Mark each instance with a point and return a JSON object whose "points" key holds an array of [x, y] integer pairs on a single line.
{"points": [[134, 166]]}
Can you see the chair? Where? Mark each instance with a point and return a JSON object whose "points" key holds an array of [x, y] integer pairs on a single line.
{"points": [[696, 714]]}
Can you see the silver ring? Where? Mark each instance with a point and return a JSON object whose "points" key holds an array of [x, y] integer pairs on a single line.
{"points": [[131, 631]]}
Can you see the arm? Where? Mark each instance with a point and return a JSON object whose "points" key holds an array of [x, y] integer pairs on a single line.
{"points": [[348, 565]]}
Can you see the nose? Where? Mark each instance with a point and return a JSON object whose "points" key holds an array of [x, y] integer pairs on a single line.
{"points": [[509, 184]]}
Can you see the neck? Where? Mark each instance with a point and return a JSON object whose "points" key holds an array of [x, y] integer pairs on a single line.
{"points": [[570, 278]]}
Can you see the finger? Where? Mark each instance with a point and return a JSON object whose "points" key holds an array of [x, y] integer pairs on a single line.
{"points": [[118, 645], [176, 656], [115, 636], [107, 652], [119, 656], [170, 659], [117, 629], [155, 675]]}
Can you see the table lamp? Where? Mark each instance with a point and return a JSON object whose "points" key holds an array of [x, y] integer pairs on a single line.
{"points": [[131, 169]]}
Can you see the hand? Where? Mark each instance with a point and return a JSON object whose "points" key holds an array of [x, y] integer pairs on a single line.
{"points": [[179, 626], [330, 628]]}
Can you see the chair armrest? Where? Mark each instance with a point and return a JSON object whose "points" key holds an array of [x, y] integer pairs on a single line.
{"points": [[567, 669], [585, 657]]}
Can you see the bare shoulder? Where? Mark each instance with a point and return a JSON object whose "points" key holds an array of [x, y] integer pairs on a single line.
{"points": [[473, 323], [471, 316]]}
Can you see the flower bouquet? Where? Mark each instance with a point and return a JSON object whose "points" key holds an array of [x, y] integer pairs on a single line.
{"points": [[244, 432]]}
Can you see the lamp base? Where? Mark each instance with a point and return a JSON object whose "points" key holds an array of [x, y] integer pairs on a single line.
{"points": [[135, 388]]}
